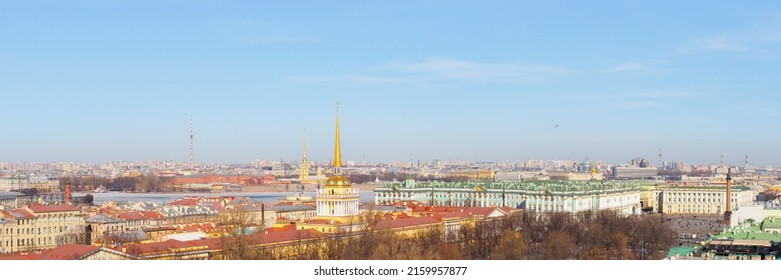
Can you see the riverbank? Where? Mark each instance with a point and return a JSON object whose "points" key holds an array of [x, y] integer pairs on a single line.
{"points": [[294, 188], [162, 198]]}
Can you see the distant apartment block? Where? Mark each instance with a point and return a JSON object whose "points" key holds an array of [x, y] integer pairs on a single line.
{"points": [[520, 175], [634, 172]]}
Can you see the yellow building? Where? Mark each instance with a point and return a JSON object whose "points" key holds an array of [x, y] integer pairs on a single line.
{"points": [[337, 202], [700, 199], [474, 174], [38, 227], [648, 198]]}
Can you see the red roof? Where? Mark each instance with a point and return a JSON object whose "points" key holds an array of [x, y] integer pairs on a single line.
{"points": [[288, 235], [18, 256], [64, 252], [284, 228], [406, 222], [152, 215], [474, 211], [158, 247], [185, 201], [69, 252], [448, 215], [508, 209], [130, 216], [18, 214], [215, 243], [38, 208]]}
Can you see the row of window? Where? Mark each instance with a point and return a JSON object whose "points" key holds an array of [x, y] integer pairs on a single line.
{"points": [[710, 194], [50, 219], [9, 231], [700, 200]]}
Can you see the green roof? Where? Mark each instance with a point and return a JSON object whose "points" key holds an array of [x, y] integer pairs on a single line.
{"points": [[681, 251], [753, 232], [771, 223], [550, 186]]}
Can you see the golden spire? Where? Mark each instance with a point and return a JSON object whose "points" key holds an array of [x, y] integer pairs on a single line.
{"points": [[337, 147], [304, 144]]}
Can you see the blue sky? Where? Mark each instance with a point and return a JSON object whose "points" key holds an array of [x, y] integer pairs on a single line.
{"points": [[94, 81]]}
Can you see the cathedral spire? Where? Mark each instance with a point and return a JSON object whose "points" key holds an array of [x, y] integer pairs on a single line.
{"points": [[304, 144], [337, 146]]}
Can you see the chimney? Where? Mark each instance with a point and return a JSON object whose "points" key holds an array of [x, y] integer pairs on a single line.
{"points": [[68, 192]]}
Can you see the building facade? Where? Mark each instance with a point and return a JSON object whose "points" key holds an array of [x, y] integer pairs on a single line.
{"points": [[540, 196], [38, 227], [700, 199], [634, 172]]}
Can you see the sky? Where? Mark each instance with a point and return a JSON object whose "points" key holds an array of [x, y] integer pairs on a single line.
{"points": [[98, 81]]}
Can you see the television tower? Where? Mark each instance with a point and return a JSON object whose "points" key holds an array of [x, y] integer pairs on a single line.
{"points": [[661, 163], [746, 167], [191, 143]]}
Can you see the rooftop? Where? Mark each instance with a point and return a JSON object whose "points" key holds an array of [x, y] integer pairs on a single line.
{"points": [[771, 223], [532, 186], [747, 232], [292, 208], [406, 222], [680, 251], [39, 208], [102, 219], [9, 195], [64, 252], [17, 214]]}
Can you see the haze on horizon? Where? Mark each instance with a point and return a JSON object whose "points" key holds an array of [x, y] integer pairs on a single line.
{"points": [[96, 81]]}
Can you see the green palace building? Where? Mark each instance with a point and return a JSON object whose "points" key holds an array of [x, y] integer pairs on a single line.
{"points": [[532, 195]]}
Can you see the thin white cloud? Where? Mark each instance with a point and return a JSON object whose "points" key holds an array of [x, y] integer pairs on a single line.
{"points": [[718, 43], [651, 94], [773, 37], [345, 78], [626, 67], [450, 69], [672, 93], [312, 79], [373, 79], [277, 40], [631, 105]]}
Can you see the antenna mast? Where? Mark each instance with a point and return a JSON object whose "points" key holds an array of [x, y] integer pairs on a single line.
{"points": [[191, 143]]}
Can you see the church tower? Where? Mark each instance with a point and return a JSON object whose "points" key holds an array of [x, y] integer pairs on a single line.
{"points": [[304, 175], [337, 201]]}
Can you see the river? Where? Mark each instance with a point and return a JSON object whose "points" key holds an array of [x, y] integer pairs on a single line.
{"points": [[161, 198]]}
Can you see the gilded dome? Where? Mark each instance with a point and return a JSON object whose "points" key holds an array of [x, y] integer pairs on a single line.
{"points": [[338, 181]]}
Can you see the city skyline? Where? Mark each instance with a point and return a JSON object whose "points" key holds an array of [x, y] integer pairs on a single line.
{"points": [[97, 82]]}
